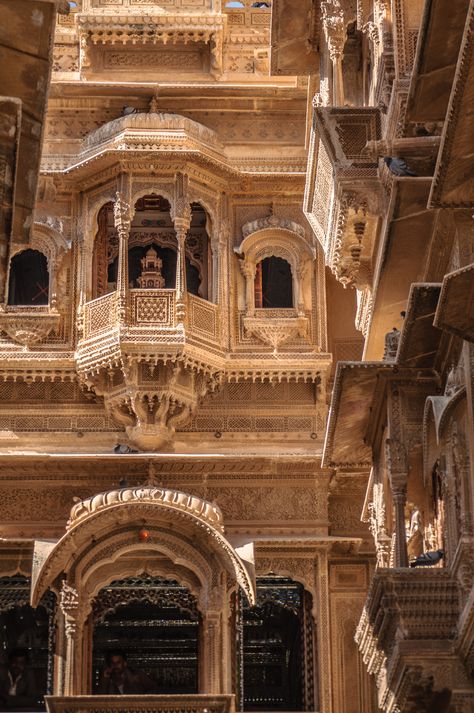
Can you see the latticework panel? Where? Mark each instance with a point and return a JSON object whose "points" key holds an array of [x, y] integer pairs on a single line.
{"points": [[153, 307], [203, 318], [100, 314], [323, 194]]}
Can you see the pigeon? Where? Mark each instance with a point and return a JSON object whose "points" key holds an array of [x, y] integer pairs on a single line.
{"points": [[398, 166], [428, 559], [123, 483], [128, 110], [122, 448]]}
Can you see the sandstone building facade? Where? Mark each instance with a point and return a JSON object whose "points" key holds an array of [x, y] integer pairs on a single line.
{"points": [[236, 352]]}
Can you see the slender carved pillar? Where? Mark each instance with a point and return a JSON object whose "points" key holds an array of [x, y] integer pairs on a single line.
{"points": [[181, 272], [122, 224], [397, 464], [69, 604], [182, 221], [248, 271], [335, 32]]}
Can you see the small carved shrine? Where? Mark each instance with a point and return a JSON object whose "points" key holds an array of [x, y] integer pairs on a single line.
{"points": [[151, 277]]}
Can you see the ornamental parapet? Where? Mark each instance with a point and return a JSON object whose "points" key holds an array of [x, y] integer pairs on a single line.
{"points": [[343, 198], [408, 614], [184, 703]]}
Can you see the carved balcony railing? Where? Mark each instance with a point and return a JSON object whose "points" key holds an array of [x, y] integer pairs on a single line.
{"points": [[151, 366], [203, 322], [409, 614], [28, 325], [199, 703]]}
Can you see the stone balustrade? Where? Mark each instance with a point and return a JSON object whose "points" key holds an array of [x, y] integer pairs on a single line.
{"points": [[141, 704]]}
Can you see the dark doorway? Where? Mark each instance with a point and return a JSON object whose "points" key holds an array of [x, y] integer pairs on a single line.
{"points": [[273, 283], [29, 279], [273, 630], [155, 622]]}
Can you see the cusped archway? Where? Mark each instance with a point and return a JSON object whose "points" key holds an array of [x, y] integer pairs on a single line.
{"points": [[150, 529]]}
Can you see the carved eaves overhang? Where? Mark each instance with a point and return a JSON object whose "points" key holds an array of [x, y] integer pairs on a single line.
{"points": [[408, 232], [343, 198], [294, 37], [26, 38], [455, 311], [346, 446], [438, 46], [151, 29], [453, 183], [145, 138], [359, 387]]}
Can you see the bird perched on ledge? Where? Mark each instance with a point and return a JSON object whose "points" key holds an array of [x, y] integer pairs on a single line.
{"points": [[428, 559], [398, 166]]}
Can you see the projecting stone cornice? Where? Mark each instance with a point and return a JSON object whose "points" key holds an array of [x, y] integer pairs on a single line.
{"points": [[141, 136]]}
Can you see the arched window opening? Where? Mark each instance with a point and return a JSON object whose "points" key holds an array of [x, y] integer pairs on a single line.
{"points": [[149, 272], [273, 283], [198, 254], [152, 245], [153, 624], [29, 279], [278, 644], [26, 645]]}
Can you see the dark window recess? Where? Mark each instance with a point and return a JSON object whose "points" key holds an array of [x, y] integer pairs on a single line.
{"points": [[273, 283], [155, 623], [29, 279]]}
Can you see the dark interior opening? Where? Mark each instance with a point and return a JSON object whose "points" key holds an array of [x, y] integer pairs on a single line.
{"points": [[272, 649], [158, 630], [273, 283], [29, 279]]}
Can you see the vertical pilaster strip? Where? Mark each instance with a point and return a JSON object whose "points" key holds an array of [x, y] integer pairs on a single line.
{"points": [[324, 639]]}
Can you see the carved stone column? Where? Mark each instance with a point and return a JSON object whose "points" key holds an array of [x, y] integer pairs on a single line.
{"points": [[181, 231], [182, 221], [397, 464], [122, 224], [69, 604], [335, 32], [248, 270]]}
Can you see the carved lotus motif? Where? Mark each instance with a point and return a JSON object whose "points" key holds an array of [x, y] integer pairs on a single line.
{"points": [[28, 328]]}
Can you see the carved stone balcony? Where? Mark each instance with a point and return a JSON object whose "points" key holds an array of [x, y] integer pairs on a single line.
{"points": [[151, 369], [276, 326], [343, 192], [28, 325], [410, 616]]}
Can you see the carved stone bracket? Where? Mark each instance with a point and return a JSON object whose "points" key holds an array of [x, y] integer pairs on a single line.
{"points": [[28, 326], [278, 330]]}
